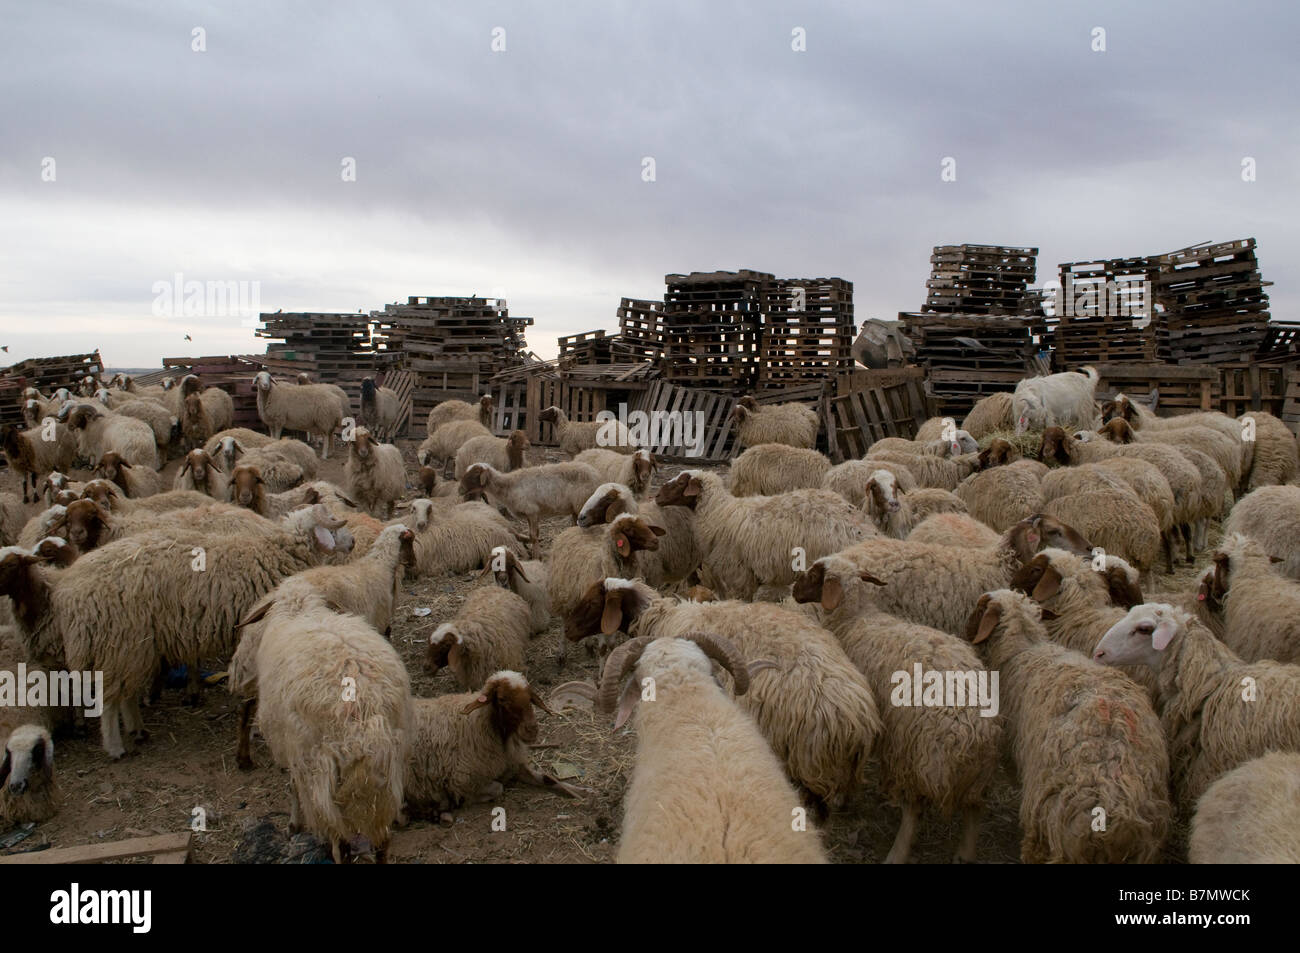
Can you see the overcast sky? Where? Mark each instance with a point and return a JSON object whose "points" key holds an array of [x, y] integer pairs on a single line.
{"points": [[520, 172]]}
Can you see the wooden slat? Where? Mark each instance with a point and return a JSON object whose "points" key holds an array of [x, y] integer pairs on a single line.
{"points": [[165, 844]]}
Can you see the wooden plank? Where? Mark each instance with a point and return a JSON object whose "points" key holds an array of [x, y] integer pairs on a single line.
{"points": [[99, 853]]}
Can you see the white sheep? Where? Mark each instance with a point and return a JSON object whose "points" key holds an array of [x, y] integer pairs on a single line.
{"points": [[30, 456], [380, 408], [1261, 610], [28, 789], [1251, 815], [100, 431], [633, 471], [574, 437], [441, 446], [450, 410], [1057, 400], [375, 473], [549, 490], [455, 537], [312, 408], [504, 453], [678, 555], [895, 513], [772, 468], [490, 632], [1271, 515], [795, 425]]}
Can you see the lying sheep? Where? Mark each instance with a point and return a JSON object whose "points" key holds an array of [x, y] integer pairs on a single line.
{"points": [[814, 707], [1251, 815], [134, 482], [31, 457], [504, 453], [772, 468], [334, 705], [795, 425], [98, 432], [1002, 496], [489, 633], [1083, 737], [755, 541], [678, 555], [459, 538], [849, 479], [375, 473], [28, 790], [633, 471], [528, 580], [549, 490], [939, 756], [1057, 400], [574, 436], [200, 474], [705, 788], [897, 514], [990, 414], [1261, 610], [465, 748], [1271, 516], [278, 472], [1217, 711], [312, 408], [450, 410]]}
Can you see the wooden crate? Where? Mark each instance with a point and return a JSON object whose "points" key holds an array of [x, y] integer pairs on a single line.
{"points": [[807, 331], [978, 279], [708, 410], [1183, 389], [858, 418], [712, 328], [1246, 387]]}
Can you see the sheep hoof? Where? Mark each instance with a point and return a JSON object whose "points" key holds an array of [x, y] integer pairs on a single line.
{"points": [[140, 736], [245, 763], [446, 818]]}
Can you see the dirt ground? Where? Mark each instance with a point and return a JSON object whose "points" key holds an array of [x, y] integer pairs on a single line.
{"points": [[188, 763]]}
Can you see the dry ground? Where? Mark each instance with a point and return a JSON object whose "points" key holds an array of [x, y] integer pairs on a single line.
{"points": [[189, 762]]}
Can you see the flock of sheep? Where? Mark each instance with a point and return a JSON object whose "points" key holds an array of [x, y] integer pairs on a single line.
{"points": [[753, 626]]}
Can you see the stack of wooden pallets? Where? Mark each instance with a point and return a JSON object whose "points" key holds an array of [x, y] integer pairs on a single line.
{"points": [[46, 374], [807, 330], [967, 356], [1215, 306], [978, 279], [640, 331], [333, 348], [712, 324]]}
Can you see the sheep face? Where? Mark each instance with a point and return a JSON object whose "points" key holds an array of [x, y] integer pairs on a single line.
{"points": [[247, 488], [740, 412], [190, 384], [603, 505], [102, 492], [883, 490], [506, 569], [363, 444], [549, 415], [55, 551], [983, 620], [631, 534], [263, 382], [516, 444], [1030, 412], [84, 521], [682, 490], [428, 480], [608, 605], [511, 699], [1117, 431], [197, 463], [113, 468], [305, 378], [643, 467], [421, 510], [1055, 446], [406, 548], [438, 653], [79, 416], [1141, 637], [815, 584], [998, 453], [28, 760], [1210, 591], [476, 478]]}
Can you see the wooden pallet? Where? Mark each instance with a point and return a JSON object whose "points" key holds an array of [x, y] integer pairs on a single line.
{"points": [[163, 848], [978, 279], [1291, 405], [1183, 389], [709, 410], [855, 420], [1252, 386]]}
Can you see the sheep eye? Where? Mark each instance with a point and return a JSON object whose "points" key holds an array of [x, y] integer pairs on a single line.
{"points": [[1146, 628]]}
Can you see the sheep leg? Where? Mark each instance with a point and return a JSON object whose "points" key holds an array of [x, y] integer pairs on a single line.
{"points": [[110, 730], [1168, 540], [970, 829], [194, 686], [156, 686], [1186, 530], [527, 775], [534, 536], [243, 752], [562, 651], [898, 854], [295, 812], [133, 721]]}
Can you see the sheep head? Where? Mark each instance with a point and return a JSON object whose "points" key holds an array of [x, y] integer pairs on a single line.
{"points": [[79, 416], [740, 413], [83, 522], [262, 381], [882, 489], [1142, 636], [682, 490], [421, 510], [1037, 578], [608, 501], [617, 683], [247, 489], [998, 453], [198, 463], [631, 534], [476, 477], [428, 480], [1209, 590], [981, 622], [643, 467], [511, 700], [406, 547], [441, 643], [607, 606], [28, 760], [815, 584], [56, 551], [113, 468], [516, 444], [190, 384], [550, 415], [104, 493], [305, 378], [363, 444], [506, 568], [1055, 446], [1117, 430]]}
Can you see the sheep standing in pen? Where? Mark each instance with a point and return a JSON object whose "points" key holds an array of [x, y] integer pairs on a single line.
{"points": [[552, 489], [504, 453], [849, 479], [375, 473], [1002, 496], [772, 468], [574, 437], [1251, 815], [941, 756], [464, 748], [161, 421], [199, 473], [99, 432], [442, 446], [134, 482], [450, 410], [334, 705], [311, 408], [1057, 400], [1271, 516], [1086, 742], [1276, 457], [1115, 519], [1217, 710], [1261, 611], [225, 447], [28, 791], [792, 424], [1223, 450], [489, 633], [814, 707], [678, 555], [380, 407], [897, 514], [992, 413], [755, 541], [30, 456], [633, 471], [705, 788]]}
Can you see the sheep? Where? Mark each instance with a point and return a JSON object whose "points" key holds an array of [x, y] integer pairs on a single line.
{"points": [[228, 444], [134, 482], [460, 539], [529, 580], [928, 470], [849, 479], [954, 529], [1271, 515], [31, 456], [943, 756], [935, 585], [345, 751], [28, 789], [312, 408], [504, 453], [489, 633], [442, 445], [465, 747], [705, 788], [574, 437], [366, 588], [380, 407], [990, 414], [99, 432], [772, 468], [278, 472], [450, 410], [896, 514], [1002, 496], [1251, 815], [795, 425], [678, 555], [755, 541], [999, 453], [1222, 449], [1261, 611], [196, 424], [108, 495], [956, 443], [199, 473], [1217, 711], [217, 404], [122, 607], [1115, 519], [815, 708], [634, 471], [375, 473], [548, 490], [160, 420], [1057, 400], [1083, 736], [345, 402], [11, 518], [1276, 458], [581, 555]]}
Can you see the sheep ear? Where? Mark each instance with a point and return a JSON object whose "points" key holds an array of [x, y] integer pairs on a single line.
{"points": [[692, 488], [1048, 586], [454, 656], [256, 615], [622, 545], [324, 539], [626, 702], [612, 618], [660, 531], [832, 593], [185, 468], [1048, 615], [989, 621], [1276, 559], [1162, 636], [477, 703], [123, 463], [868, 577]]}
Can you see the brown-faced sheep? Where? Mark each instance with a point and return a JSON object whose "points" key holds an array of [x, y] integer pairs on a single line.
{"points": [[375, 473], [134, 482], [896, 514], [849, 479], [200, 474], [634, 471], [504, 453], [575, 436], [489, 632]]}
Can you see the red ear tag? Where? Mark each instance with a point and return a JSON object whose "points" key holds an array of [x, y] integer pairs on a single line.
{"points": [[483, 699], [620, 544], [1200, 597]]}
